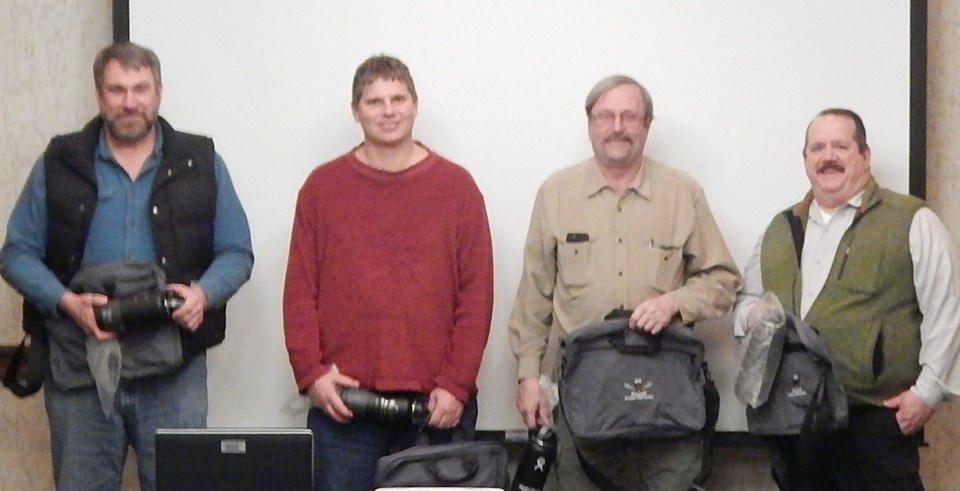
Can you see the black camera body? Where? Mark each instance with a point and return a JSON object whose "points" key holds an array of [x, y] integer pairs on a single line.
{"points": [[390, 409], [136, 311]]}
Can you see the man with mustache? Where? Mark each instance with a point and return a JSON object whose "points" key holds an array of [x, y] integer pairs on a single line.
{"points": [[872, 271], [128, 205], [617, 231]]}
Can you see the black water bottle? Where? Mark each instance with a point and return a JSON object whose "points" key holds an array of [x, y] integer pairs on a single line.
{"points": [[537, 459]]}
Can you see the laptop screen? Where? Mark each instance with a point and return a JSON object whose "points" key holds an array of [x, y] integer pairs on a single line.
{"points": [[235, 459]]}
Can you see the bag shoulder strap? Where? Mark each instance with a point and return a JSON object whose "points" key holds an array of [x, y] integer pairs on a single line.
{"points": [[598, 478], [796, 230]]}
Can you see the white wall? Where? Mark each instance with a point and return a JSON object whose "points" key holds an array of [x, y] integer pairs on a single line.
{"points": [[501, 86]]}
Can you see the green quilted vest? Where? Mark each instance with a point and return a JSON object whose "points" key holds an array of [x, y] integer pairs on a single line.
{"points": [[867, 312]]}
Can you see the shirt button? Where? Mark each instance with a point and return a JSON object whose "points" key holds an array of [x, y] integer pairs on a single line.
{"points": [[620, 240], [620, 273]]}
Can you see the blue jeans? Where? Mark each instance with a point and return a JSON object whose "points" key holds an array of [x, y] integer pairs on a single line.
{"points": [[89, 448], [345, 455]]}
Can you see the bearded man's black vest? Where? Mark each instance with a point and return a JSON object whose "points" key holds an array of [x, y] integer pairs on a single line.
{"points": [[182, 209]]}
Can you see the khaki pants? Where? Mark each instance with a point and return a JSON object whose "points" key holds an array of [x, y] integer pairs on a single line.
{"points": [[652, 465]]}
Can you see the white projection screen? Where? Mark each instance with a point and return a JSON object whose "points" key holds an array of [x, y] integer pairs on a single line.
{"points": [[502, 87]]}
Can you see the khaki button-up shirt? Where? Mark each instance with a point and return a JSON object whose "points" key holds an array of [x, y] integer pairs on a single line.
{"points": [[590, 250]]}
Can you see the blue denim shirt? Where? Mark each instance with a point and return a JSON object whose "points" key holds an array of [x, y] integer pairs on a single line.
{"points": [[120, 231]]}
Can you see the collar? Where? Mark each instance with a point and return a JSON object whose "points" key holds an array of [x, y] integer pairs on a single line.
{"points": [[863, 201], [104, 153], [594, 182]]}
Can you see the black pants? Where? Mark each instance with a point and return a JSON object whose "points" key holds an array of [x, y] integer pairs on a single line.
{"points": [[870, 454]]}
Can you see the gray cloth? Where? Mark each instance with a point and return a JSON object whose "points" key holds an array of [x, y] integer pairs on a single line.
{"points": [[76, 360], [105, 359]]}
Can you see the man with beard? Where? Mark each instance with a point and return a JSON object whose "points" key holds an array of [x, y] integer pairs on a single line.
{"points": [[617, 231], [872, 271], [125, 205]]}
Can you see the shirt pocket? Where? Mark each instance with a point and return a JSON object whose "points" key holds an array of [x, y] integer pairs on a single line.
{"points": [[667, 263], [573, 263]]}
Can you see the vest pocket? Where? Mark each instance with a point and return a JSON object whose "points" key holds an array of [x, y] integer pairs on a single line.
{"points": [[896, 359], [857, 268], [878, 355], [857, 352]]}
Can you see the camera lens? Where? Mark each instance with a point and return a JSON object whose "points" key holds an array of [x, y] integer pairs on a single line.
{"points": [[136, 311], [106, 317], [400, 409]]}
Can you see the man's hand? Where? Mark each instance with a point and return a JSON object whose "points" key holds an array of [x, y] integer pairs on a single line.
{"points": [[79, 306], [531, 404], [445, 410], [653, 314], [325, 395], [766, 310], [912, 413], [190, 314]]}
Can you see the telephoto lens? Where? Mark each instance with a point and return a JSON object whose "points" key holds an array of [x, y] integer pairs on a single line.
{"points": [[538, 457], [142, 310], [397, 410]]}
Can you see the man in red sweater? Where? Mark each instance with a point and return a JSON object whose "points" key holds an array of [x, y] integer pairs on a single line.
{"points": [[389, 284]]}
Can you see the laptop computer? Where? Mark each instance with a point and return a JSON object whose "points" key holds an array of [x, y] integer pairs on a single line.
{"points": [[235, 459]]}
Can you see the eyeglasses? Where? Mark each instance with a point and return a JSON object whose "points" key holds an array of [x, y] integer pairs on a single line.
{"points": [[606, 118]]}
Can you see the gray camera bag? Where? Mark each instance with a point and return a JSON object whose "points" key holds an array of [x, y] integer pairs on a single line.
{"points": [[805, 396], [461, 464], [620, 384]]}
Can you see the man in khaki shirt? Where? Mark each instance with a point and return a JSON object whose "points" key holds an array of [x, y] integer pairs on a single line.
{"points": [[617, 231]]}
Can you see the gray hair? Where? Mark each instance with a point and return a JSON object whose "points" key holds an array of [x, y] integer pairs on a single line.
{"points": [[613, 82]]}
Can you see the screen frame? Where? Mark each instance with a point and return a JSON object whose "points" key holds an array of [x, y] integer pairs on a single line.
{"points": [[917, 138]]}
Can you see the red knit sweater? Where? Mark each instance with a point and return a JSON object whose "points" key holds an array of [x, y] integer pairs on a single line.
{"points": [[390, 277]]}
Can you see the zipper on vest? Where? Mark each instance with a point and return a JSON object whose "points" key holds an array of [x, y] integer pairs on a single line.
{"points": [[846, 252], [843, 262]]}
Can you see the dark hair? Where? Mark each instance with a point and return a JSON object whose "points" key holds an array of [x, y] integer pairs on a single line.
{"points": [[859, 131], [129, 55], [377, 67], [613, 82]]}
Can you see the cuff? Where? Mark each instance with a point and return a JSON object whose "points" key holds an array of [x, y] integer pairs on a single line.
{"points": [[457, 391], [528, 367], [307, 379], [927, 388]]}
